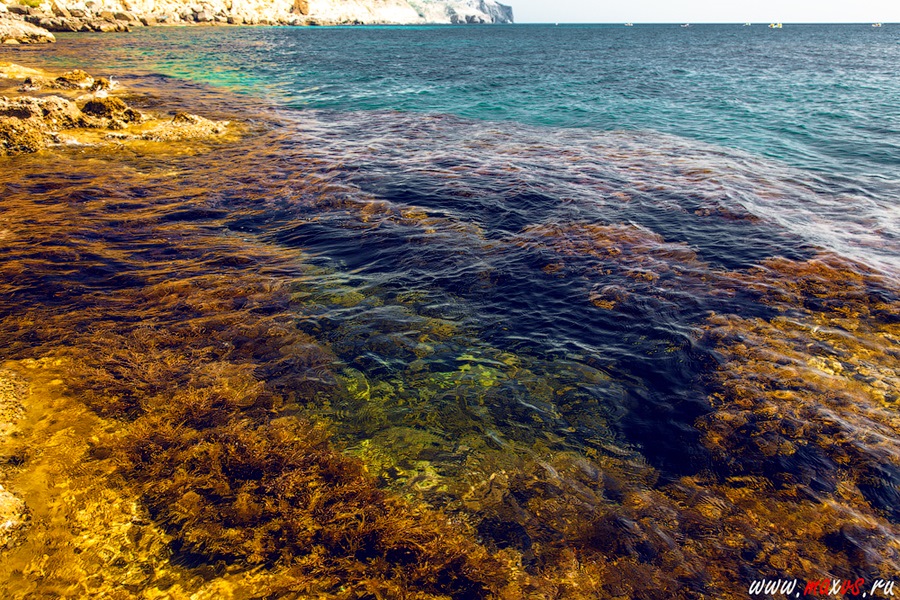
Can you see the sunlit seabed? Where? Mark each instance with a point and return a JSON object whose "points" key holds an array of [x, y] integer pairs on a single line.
{"points": [[621, 364]]}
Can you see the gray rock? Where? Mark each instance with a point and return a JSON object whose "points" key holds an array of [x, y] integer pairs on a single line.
{"points": [[61, 11], [23, 33], [204, 17]]}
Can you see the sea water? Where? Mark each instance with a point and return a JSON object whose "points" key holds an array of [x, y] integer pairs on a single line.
{"points": [[654, 271]]}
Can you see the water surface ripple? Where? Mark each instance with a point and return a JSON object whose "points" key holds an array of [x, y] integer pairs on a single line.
{"points": [[571, 284]]}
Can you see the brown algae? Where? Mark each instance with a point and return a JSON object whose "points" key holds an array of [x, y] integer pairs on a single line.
{"points": [[179, 422]]}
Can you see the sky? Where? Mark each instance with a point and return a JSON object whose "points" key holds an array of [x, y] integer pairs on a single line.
{"points": [[705, 11]]}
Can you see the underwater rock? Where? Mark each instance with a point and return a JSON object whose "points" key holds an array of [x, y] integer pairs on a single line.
{"points": [[14, 517], [11, 409], [184, 126]]}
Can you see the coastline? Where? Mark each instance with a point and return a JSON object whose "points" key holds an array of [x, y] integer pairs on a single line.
{"points": [[113, 16], [75, 109]]}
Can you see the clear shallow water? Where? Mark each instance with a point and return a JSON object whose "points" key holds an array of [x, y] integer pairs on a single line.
{"points": [[620, 254]]}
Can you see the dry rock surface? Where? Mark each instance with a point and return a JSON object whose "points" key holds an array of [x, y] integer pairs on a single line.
{"points": [[14, 32], [122, 15], [82, 111]]}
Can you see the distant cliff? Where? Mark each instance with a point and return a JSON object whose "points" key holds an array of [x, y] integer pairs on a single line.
{"points": [[118, 15]]}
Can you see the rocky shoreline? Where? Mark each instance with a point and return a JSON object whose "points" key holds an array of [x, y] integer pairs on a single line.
{"points": [[32, 21], [77, 109]]}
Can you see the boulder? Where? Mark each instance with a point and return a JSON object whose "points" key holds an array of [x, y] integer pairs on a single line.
{"points": [[17, 9], [105, 26], [74, 80], [20, 137], [112, 108], [29, 124], [23, 33], [204, 16], [61, 11], [55, 23], [52, 110]]}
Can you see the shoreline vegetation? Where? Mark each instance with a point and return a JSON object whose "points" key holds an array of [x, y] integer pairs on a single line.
{"points": [[164, 442]]}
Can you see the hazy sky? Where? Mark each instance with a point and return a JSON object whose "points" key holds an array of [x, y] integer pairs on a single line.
{"points": [[705, 11]]}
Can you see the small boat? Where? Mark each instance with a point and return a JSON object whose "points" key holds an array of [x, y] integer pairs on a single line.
{"points": [[876, 24], [775, 26], [632, 25], [747, 24], [686, 25]]}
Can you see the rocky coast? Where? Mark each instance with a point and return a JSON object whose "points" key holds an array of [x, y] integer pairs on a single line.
{"points": [[32, 21], [76, 109]]}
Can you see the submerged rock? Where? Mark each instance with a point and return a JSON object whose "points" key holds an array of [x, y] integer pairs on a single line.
{"points": [[184, 126], [13, 517]]}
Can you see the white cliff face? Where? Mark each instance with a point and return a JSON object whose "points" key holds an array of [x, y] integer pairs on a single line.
{"points": [[363, 11], [299, 12], [463, 11]]}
